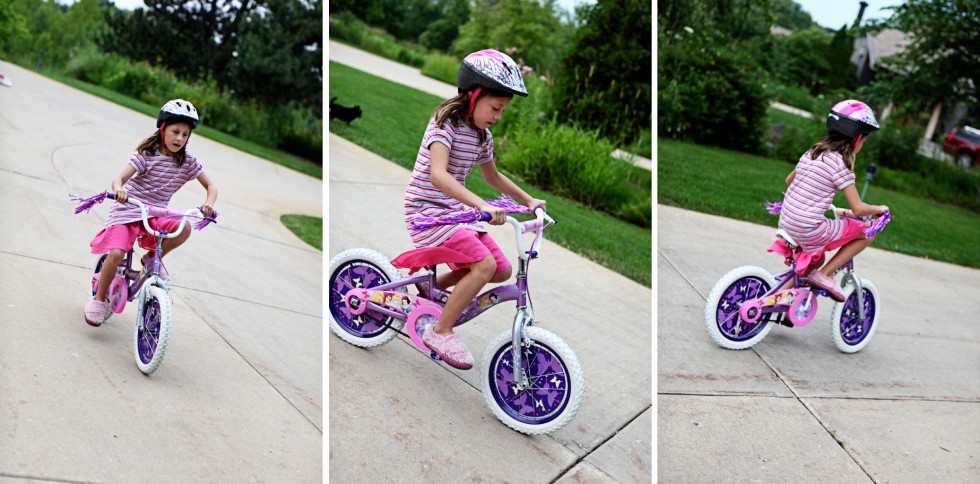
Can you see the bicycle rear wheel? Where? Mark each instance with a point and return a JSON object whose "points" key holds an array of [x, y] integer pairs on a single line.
{"points": [[360, 268], [557, 382], [153, 327], [721, 317]]}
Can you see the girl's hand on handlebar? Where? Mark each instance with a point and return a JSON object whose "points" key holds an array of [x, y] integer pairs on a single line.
{"points": [[535, 203], [207, 210], [121, 195], [497, 215], [882, 209]]}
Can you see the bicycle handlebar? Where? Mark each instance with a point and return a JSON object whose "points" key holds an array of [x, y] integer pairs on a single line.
{"points": [[149, 210]]}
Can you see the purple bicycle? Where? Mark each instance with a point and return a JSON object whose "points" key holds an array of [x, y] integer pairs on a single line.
{"points": [[532, 381], [154, 316], [745, 302]]}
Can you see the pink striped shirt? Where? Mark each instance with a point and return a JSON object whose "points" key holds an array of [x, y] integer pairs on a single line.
{"points": [[156, 180], [421, 197], [810, 195]]}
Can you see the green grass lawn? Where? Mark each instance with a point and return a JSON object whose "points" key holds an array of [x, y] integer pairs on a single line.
{"points": [[308, 229], [394, 120], [735, 185]]}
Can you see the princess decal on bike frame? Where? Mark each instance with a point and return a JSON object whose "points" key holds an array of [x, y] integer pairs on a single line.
{"points": [[160, 166], [828, 166], [457, 139]]}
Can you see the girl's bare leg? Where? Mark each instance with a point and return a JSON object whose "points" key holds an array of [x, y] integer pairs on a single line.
{"points": [[450, 279], [846, 253], [171, 244], [108, 271], [478, 275]]}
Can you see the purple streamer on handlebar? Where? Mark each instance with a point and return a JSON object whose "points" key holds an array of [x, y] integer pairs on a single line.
{"points": [[505, 202], [86, 204], [774, 208], [878, 224]]}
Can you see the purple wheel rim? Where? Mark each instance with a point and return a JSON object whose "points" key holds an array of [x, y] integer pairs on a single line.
{"points": [[149, 333], [548, 394], [358, 273], [853, 330], [732, 327]]}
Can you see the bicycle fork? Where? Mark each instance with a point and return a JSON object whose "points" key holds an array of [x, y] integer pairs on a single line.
{"points": [[523, 319]]}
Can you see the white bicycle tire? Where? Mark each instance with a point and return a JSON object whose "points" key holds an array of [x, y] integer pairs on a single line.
{"points": [[576, 381], [163, 338], [715, 297], [335, 302]]}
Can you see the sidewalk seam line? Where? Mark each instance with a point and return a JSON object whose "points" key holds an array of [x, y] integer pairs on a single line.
{"points": [[599, 445], [779, 375], [249, 363]]}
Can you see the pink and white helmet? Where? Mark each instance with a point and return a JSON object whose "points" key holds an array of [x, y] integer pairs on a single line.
{"points": [[490, 69], [178, 110], [852, 118]]}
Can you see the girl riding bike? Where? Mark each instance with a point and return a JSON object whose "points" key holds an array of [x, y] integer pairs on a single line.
{"points": [[456, 139], [828, 166], [160, 166]]}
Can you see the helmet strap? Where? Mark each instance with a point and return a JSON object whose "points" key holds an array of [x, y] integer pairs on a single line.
{"points": [[857, 139], [473, 95]]}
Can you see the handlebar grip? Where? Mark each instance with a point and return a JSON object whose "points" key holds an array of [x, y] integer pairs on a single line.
{"points": [[485, 217]]}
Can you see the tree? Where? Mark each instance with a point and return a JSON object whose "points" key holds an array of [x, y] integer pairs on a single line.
{"points": [[790, 15], [279, 55], [605, 82], [268, 49], [534, 27], [941, 60], [13, 28], [720, 21]]}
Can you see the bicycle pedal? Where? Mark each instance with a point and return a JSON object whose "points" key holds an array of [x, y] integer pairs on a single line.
{"points": [[434, 356]]}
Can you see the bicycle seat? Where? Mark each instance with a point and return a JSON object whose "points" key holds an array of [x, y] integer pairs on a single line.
{"points": [[789, 240], [414, 260]]}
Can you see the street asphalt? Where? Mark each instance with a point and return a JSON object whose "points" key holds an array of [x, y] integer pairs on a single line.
{"points": [[239, 395]]}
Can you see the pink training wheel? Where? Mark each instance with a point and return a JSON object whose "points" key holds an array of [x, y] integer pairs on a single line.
{"points": [[118, 294], [799, 313]]}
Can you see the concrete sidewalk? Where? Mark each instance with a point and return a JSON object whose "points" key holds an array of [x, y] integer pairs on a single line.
{"points": [[397, 416], [793, 409], [239, 394]]}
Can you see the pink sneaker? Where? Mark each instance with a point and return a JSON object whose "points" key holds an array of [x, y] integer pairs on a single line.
{"points": [[97, 312], [819, 280], [450, 348]]}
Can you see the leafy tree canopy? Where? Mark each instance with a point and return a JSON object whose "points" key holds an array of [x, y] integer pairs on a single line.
{"points": [[942, 58], [535, 28]]}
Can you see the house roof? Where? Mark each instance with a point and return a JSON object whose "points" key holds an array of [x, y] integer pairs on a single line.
{"points": [[886, 43]]}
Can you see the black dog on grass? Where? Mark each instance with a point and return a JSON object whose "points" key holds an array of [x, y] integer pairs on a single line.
{"points": [[344, 113]]}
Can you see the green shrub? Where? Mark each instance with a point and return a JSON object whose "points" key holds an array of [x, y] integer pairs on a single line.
{"points": [[441, 66], [293, 129], [710, 95], [577, 165]]}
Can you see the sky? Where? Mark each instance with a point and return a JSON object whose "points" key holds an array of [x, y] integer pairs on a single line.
{"points": [[835, 14]]}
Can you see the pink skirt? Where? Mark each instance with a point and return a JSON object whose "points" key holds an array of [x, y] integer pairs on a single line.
{"points": [[477, 245], [123, 236], [853, 230]]}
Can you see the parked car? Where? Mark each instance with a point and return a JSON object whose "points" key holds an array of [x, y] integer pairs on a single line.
{"points": [[964, 145]]}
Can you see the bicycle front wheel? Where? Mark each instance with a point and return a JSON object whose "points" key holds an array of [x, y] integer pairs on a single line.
{"points": [[851, 333], [153, 328], [557, 382]]}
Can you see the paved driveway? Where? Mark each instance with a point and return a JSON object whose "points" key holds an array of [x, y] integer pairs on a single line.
{"points": [[238, 396]]}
